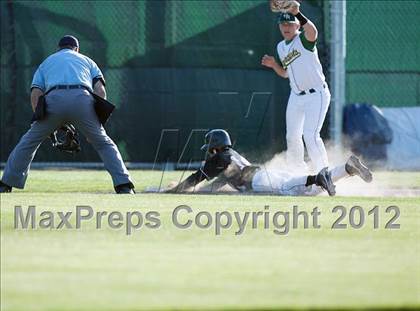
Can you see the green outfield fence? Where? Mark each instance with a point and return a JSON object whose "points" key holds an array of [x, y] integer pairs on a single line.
{"points": [[185, 66], [383, 52], [174, 65]]}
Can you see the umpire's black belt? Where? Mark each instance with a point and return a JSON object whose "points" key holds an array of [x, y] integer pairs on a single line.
{"points": [[310, 91], [67, 87]]}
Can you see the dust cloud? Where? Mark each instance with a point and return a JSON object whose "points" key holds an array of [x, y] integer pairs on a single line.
{"points": [[383, 184]]}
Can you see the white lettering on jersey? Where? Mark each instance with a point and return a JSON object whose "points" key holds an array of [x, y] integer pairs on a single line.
{"points": [[290, 58]]}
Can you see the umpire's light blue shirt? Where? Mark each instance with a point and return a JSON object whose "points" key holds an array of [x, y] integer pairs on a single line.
{"points": [[66, 67]]}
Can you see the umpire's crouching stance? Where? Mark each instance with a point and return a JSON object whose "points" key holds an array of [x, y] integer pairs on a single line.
{"points": [[66, 78]]}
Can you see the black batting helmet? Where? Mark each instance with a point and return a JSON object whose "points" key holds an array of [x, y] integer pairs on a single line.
{"points": [[216, 138]]}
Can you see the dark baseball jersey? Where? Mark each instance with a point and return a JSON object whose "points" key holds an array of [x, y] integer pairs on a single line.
{"points": [[227, 164]]}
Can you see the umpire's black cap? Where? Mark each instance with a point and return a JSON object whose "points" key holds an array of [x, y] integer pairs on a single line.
{"points": [[68, 41]]}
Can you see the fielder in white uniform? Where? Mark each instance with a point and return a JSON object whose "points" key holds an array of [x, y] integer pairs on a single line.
{"points": [[309, 97]]}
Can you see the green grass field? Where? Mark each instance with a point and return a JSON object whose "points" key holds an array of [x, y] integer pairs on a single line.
{"points": [[172, 268]]}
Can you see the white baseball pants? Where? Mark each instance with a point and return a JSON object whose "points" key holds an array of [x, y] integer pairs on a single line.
{"points": [[305, 115], [282, 183]]}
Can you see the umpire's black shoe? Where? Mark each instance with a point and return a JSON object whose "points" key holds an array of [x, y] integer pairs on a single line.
{"points": [[323, 180], [4, 188], [125, 189]]}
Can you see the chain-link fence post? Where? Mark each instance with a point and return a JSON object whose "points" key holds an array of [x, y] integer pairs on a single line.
{"points": [[338, 68]]}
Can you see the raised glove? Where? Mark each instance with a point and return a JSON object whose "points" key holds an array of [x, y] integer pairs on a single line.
{"points": [[283, 5]]}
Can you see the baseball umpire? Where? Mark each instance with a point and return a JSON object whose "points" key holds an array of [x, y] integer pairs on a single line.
{"points": [[223, 162], [63, 82], [309, 97]]}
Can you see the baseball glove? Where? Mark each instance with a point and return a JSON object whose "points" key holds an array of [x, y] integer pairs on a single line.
{"points": [[66, 139], [283, 5]]}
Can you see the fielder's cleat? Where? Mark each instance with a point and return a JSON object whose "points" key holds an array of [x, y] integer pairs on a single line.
{"points": [[4, 188], [355, 167], [323, 180]]}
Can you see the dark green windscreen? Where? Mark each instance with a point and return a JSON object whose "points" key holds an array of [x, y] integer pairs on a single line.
{"points": [[383, 52], [173, 68]]}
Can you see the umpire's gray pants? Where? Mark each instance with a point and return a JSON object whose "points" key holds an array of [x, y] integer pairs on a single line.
{"points": [[74, 106]]}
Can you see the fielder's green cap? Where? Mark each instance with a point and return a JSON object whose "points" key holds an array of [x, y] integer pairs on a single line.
{"points": [[286, 18]]}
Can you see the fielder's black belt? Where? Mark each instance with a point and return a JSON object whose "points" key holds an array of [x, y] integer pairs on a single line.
{"points": [[310, 91]]}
